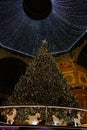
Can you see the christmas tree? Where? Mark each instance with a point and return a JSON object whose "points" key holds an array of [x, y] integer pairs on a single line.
{"points": [[43, 84]]}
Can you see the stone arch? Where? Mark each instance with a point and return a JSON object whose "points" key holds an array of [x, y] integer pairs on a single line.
{"points": [[82, 58], [10, 71]]}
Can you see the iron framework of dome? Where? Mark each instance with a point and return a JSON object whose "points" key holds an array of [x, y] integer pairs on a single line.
{"points": [[62, 27]]}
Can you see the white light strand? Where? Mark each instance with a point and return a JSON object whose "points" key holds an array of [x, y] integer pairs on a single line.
{"points": [[37, 106], [62, 28]]}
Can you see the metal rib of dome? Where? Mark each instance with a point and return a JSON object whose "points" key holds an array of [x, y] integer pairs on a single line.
{"points": [[64, 26]]}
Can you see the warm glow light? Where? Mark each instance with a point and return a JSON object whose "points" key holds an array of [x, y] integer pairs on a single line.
{"points": [[34, 122]]}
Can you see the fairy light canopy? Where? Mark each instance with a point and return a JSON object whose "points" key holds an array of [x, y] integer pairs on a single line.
{"points": [[25, 23]]}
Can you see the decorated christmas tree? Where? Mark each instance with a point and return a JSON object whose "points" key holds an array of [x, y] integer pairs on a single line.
{"points": [[43, 84]]}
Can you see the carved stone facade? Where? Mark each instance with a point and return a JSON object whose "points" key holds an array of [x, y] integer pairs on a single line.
{"points": [[75, 74]]}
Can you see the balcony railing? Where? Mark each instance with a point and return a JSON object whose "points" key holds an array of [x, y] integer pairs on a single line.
{"points": [[41, 115]]}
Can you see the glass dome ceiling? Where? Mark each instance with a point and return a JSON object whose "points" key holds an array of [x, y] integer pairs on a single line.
{"points": [[24, 24]]}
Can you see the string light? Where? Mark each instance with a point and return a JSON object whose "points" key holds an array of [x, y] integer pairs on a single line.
{"points": [[65, 25]]}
